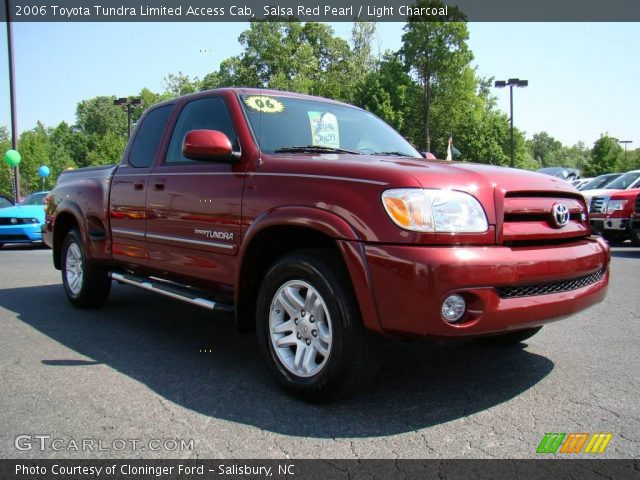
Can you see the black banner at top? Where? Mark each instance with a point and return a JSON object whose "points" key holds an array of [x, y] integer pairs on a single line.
{"points": [[322, 10]]}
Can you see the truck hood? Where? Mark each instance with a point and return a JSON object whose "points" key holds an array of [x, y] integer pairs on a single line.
{"points": [[589, 194], [472, 176], [400, 172]]}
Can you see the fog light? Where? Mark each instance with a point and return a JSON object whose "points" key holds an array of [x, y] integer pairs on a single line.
{"points": [[453, 308]]}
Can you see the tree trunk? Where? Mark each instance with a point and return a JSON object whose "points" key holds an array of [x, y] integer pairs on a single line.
{"points": [[427, 105]]}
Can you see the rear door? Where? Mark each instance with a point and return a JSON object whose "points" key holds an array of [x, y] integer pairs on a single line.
{"points": [[194, 207], [129, 188]]}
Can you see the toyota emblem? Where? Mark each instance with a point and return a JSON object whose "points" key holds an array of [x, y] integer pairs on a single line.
{"points": [[560, 215]]}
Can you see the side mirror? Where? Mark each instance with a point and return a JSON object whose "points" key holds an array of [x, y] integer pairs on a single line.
{"points": [[428, 155], [208, 145]]}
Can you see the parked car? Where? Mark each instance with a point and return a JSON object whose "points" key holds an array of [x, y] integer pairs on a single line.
{"points": [[635, 220], [601, 181], [626, 181], [580, 182], [565, 173], [5, 201], [611, 215], [23, 223], [320, 227]]}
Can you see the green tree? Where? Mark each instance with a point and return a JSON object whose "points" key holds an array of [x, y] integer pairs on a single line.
{"points": [[436, 52], [60, 149], [5, 171], [105, 149], [35, 151], [605, 154], [289, 55], [631, 163], [545, 149], [99, 116], [362, 35], [177, 84]]}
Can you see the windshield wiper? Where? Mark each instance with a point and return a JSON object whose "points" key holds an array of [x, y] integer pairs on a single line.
{"points": [[313, 149], [394, 154]]}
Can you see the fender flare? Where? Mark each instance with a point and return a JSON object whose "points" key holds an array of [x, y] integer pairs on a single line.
{"points": [[314, 218], [73, 209], [334, 227]]}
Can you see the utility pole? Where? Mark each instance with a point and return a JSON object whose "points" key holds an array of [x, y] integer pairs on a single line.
{"points": [[128, 102], [12, 98], [512, 82]]}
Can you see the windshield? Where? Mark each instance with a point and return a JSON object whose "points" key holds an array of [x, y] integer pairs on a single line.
{"points": [[4, 202], [624, 181], [599, 182], [34, 199], [286, 124]]}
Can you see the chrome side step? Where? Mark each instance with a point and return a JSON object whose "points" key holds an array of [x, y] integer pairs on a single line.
{"points": [[172, 290]]}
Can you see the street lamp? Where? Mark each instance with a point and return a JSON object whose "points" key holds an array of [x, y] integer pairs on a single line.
{"points": [[12, 98], [625, 142], [129, 102], [512, 82]]}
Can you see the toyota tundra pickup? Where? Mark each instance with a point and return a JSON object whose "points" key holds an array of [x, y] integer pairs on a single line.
{"points": [[321, 228]]}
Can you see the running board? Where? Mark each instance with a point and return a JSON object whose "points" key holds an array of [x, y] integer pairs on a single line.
{"points": [[174, 291]]}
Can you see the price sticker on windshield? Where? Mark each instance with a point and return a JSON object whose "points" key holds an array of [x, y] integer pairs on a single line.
{"points": [[264, 104]]}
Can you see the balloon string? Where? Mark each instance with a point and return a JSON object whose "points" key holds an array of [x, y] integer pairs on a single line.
{"points": [[13, 185]]}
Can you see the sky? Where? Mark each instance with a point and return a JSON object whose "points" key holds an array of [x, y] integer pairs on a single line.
{"points": [[584, 78]]}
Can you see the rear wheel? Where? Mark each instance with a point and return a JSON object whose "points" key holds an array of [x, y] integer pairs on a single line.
{"points": [[309, 328], [87, 285], [511, 338]]}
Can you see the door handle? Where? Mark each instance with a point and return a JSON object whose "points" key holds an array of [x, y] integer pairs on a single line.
{"points": [[138, 186], [158, 186]]}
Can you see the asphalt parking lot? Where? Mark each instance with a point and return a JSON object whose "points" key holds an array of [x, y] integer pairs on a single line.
{"points": [[148, 368]]}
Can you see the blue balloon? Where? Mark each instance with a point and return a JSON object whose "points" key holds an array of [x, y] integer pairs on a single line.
{"points": [[44, 171]]}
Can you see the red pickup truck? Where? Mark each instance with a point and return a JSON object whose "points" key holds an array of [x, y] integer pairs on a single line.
{"points": [[612, 214], [318, 225]]}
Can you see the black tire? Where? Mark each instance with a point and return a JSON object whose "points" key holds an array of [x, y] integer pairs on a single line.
{"points": [[354, 356], [511, 338], [634, 235], [615, 237], [94, 285], [1, 245]]}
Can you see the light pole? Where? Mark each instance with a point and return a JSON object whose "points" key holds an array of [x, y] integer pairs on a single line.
{"points": [[129, 102], [12, 98], [625, 142], [512, 82]]}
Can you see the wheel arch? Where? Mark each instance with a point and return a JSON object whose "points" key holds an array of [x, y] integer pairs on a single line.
{"points": [[283, 230], [67, 217]]}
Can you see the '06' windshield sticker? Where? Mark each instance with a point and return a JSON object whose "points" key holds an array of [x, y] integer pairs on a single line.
{"points": [[264, 104]]}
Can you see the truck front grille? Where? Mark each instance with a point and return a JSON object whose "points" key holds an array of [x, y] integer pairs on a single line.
{"points": [[534, 289], [637, 206], [598, 205], [532, 216]]}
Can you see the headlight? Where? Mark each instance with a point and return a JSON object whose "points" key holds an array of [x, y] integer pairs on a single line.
{"points": [[434, 210], [615, 205]]}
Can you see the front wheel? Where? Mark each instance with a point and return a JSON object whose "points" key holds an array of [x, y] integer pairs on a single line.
{"points": [[309, 328], [615, 237], [87, 285], [634, 235]]}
